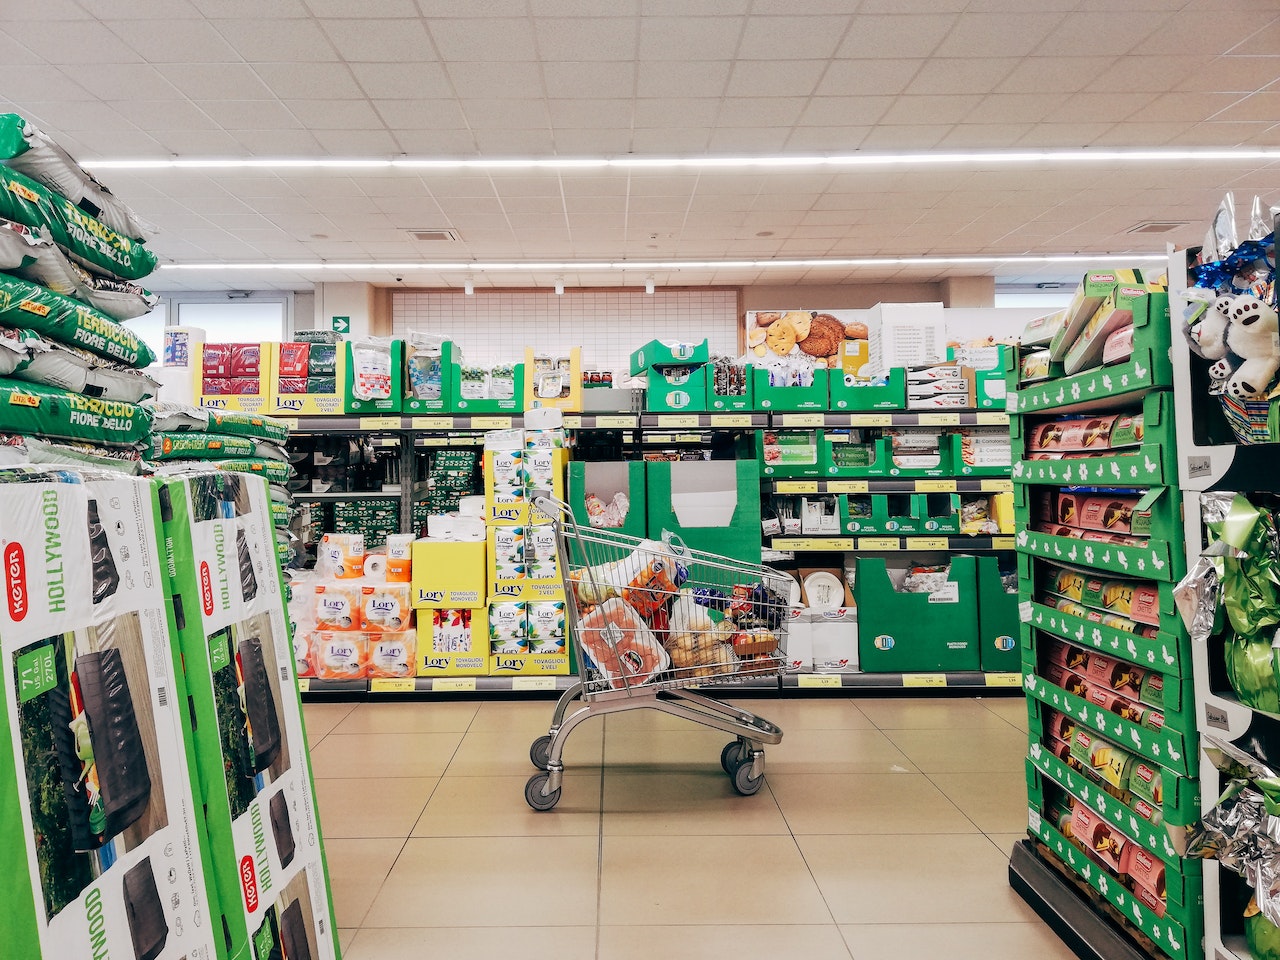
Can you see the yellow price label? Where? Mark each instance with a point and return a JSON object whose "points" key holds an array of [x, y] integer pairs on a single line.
{"points": [[731, 419], [939, 420], [795, 486], [819, 680], [803, 419], [533, 683], [304, 684], [491, 423], [680, 420], [879, 543], [573, 422], [290, 422], [1004, 679], [380, 423], [928, 543], [616, 423], [687, 438], [870, 420], [1002, 543], [848, 486], [988, 418], [453, 684], [392, 685], [997, 486], [438, 441], [935, 486], [924, 680], [813, 543]]}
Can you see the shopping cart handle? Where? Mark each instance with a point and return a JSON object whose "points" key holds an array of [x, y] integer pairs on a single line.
{"points": [[549, 504]]}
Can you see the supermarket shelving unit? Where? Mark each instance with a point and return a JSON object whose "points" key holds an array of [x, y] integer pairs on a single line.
{"points": [[1090, 907]]}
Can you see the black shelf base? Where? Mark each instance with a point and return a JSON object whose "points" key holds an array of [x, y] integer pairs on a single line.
{"points": [[1087, 933]]}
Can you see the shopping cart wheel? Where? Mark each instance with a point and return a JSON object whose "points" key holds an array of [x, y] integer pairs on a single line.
{"points": [[743, 782], [540, 751], [731, 756], [533, 793]]}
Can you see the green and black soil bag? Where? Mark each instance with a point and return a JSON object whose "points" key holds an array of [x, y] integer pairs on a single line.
{"points": [[31, 409], [28, 305]]}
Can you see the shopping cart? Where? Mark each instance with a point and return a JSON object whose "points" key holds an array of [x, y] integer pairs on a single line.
{"points": [[649, 619]]}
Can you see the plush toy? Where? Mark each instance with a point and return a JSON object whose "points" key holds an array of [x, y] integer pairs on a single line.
{"points": [[1242, 335]]}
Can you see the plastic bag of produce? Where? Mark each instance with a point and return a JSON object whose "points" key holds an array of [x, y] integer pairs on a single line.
{"points": [[24, 147], [32, 409], [27, 305], [85, 238]]}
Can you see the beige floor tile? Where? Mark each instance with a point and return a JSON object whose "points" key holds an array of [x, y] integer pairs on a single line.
{"points": [[320, 718], [691, 747], [1010, 709], [1004, 841], [356, 808], [476, 943], [653, 881], [482, 882], [531, 717], [346, 936], [845, 751], [357, 869], [505, 753], [928, 713], [996, 801], [739, 941], [955, 941], [685, 802], [963, 751], [856, 803], [373, 756], [430, 716], [818, 713], [495, 807], [956, 878]]}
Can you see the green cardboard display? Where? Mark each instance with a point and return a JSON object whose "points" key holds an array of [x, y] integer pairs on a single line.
{"points": [[867, 396], [789, 453], [917, 632], [681, 493], [392, 404], [676, 390], [720, 403], [999, 629], [898, 514], [669, 353], [605, 479], [790, 399]]}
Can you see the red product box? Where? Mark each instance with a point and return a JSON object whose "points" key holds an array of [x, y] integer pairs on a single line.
{"points": [[1111, 514], [215, 386], [1116, 675], [1098, 838], [294, 359], [217, 360], [1145, 868], [246, 386], [1071, 682], [1149, 899], [1058, 725], [292, 385], [1066, 655], [246, 360]]}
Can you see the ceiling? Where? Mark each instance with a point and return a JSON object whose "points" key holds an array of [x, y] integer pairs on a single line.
{"points": [[506, 79]]}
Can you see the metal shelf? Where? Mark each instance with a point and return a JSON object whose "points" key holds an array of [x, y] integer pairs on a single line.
{"points": [[876, 485], [892, 418], [919, 543], [354, 495], [745, 420]]}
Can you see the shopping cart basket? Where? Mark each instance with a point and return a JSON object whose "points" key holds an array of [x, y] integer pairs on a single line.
{"points": [[648, 619]]}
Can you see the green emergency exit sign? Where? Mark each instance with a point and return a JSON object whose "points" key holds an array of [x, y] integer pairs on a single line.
{"points": [[342, 324]]}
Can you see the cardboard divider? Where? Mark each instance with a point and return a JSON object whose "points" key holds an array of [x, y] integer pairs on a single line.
{"points": [[605, 480], [393, 403], [712, 505]]}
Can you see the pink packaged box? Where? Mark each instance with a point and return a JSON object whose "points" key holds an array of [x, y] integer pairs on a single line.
{"points": [[1119, 345], [215, 386], [217, 360]]}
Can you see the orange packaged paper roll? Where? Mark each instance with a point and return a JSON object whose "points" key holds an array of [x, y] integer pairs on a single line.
{"points": [[340, 656], [399, 554], [385, 607], [393, 654], [337, 606]]}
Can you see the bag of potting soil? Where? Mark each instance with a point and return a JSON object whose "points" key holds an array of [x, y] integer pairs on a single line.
{"points": [[18, 450], [27, 305], [27, 149], [14, 350], [170, 417], [85, 238], [248, 425], [70, 368], [198, 446], [273, 470], [32, 409]]}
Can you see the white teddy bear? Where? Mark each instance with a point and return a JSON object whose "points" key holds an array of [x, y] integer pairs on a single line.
{"points": [[1242, 334]]}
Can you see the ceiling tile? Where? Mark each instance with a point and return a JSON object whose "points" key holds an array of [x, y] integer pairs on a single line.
{"points": [[503, 114], [1264, 42], [791, 38], [309, 81], [1079, 34], [217, 81], [903, 137], [586, 38], [489, 80], [826, 139], [747, 140], [1136, 74], [780, 78], [380, 41], [1053, 134], [569, 79], [419, 114], [398, 81], [1005, 34], [493, 38], [250, 114], [844, 111], [657, 114], [278, 41], [1049, 74], [853, 77], [34, 81], [331, 115], [986, 136], [585, 8], [74, 41], [689, 38], [617, 206], [263, 9], [175, 41], [894, 37], [1189, 107], [14, 51], [1019, 108], [161, 116], [122, 81], [199, 143], [669, 141], [593, 142], [1263, 106], [436, 142], [141, 9], [960, 76], [767, 114], [930, 109], [682, 78], [277, 143], [47, 10], [360, 9], [1224, 74], [505, 142], [1091, 107]]}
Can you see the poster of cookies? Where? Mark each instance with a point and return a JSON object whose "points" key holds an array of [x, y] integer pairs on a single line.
{"points": [[837, 340]]}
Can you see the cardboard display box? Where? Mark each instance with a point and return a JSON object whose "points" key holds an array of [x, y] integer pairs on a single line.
{"points": [[998, 624], [91, 690], [606, 480], [813, 397], [917, 632], [676, 389], [453, 642], [233, 376], [312, 394], [246, 721], [789, 453], [372, 392], [449, 575], [712, 505], [896, 514], [848, 393], [668, 353], [562, 391]]}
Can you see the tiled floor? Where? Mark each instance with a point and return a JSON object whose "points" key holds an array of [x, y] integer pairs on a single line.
{"points": [[883, 831]]}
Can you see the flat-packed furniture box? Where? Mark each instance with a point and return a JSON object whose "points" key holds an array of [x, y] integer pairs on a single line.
{"points": [[100, 824], [229, 610]]}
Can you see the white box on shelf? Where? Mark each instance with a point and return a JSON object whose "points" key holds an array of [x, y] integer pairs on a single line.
{"points": [[834, 635], [906, 334]]}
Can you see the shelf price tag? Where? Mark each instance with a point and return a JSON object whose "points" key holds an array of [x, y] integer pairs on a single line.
{"points": [[680, 420], [991, 418], [879, 543], [813, 544], [290, 422], [304, 684], [491, 423], [997, 486], [820, 680], [1004, 679], [431, 423], [803, 419], [687, 438], [848, 486], [935, 486], [928, 543], [572, 422], [939, 420], [731, 419], [380, 423], [871, 420], [932, 680], [453, 684], [795, 486], [392, 685], [1002, 543], [533, 683], [616, 423]]}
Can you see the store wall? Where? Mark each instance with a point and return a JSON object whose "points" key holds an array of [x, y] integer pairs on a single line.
{"points": [[837, 296]]}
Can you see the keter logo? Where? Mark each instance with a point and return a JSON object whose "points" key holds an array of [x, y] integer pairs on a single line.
{"points": [[206, 590], [15, 581], [249, 881]]}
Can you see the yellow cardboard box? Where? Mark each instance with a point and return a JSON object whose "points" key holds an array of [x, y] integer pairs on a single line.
{"points": [[509, 505], [523, 563], [453, 643], [222, 368], [449, 575], [528, 664], [308, 404]]}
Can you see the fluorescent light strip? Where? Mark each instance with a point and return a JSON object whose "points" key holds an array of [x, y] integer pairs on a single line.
{"points": [[922, 159], [656, 265]]}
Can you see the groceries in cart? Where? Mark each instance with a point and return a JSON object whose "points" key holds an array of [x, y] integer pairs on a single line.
{"points": [[653, 612]]}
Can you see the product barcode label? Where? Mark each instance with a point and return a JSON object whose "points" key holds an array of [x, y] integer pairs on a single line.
{"points": [[284, 674], [162, 696], [1033, 819]]}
